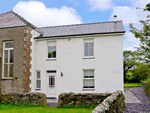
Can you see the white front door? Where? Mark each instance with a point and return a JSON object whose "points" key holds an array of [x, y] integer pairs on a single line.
{"points": [[51, 86]]}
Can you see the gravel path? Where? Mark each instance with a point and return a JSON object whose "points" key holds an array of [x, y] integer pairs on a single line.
{"points": [[144, 107]]}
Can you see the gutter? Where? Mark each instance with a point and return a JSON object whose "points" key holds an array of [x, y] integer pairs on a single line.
{"points": [[78, 35]]}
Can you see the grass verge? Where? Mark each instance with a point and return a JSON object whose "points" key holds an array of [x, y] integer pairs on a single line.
{"points": [[132, 84], [10, 108]]}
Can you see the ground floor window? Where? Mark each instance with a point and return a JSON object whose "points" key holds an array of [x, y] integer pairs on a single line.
{"points": [[8, 59], [88, 79], [38, 80]]}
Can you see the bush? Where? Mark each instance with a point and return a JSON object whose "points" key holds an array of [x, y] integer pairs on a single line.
{"points": [[147, 87], [142, 72]]}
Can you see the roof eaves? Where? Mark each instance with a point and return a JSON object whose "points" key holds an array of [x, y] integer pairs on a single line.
{"points": [[79, 34], [12, 27]]}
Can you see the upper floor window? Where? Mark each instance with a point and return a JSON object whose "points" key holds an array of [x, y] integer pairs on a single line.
{"points": [[8, 59], [89, 47], [51, 49]]}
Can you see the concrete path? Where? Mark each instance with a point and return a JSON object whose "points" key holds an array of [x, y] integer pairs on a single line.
{"points": [[136, 100], [130, 98]]}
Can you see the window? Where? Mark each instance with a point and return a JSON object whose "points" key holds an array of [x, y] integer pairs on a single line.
{"points": [[8, 59], [51, 49], [88, 79], [52, 81], [38, 80], [89, 47]]}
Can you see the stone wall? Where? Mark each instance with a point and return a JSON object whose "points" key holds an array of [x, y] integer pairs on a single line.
{"points": [[27, 99], [88, 99], [20, 81], [112, 104]]}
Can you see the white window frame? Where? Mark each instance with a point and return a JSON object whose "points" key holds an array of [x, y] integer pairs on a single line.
{"points": [[88, 78], [85, 41], [8, 59], [38, 79], [47, 50]]}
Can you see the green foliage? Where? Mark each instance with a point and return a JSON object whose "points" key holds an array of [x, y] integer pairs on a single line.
{"points": [[143, 35], [147, 87], [80, 106], [142, 72], [130, 59]]}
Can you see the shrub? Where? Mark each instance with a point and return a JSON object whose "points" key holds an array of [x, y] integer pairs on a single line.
{"points": [[147, 87], [142, 72]]}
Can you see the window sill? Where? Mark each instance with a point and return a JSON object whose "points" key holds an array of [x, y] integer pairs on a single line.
{"points": [[88, 89], [37, 89], [92, 57], [7, 78], [51, 59]]}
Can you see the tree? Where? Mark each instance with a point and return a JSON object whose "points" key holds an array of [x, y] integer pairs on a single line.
{"points": [[142, 71], [144, 36], [130, 59]]}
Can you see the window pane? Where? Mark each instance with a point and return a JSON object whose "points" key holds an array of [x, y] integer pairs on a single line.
{"points": [[5, 70], [86, 52], [89, 74], [52, 50], [88, 82], [91, 44], [91, 52], [38, 83], [8, 44], [38, 74], [86, 45], [6, 56], [11, 56], [10, 70], [51, 81]]}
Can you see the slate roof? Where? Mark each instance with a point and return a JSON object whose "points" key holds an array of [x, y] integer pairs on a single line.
{"points": [[11, 19], [83, 29]]}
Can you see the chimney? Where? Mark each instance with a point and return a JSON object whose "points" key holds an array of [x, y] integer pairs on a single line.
{"points": [[115, 17]]}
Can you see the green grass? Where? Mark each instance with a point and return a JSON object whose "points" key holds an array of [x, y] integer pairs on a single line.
{"points": [[9, 108], [132, 84]]}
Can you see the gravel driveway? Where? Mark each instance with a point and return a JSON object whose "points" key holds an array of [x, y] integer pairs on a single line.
{"points": [[143, 107]]}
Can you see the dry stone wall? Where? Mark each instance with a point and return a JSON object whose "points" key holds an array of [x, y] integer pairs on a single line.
{"points": [[27, 99], [66, 99], [112, 104]]}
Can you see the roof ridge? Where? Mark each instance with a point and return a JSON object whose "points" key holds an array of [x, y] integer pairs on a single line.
{"points": [[79, 24]]}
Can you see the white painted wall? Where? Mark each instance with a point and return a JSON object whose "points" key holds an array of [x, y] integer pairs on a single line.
{"points": [[108, 64]]}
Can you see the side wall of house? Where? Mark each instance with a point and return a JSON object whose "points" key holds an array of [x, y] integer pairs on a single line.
{"points": [[107, 65], [21, 59]]}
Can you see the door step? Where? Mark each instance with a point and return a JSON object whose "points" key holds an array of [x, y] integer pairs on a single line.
{"points": [[52, 100], [50, 97]]}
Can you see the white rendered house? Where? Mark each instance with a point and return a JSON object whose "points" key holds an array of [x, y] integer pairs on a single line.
{"points": [[82, 58]]}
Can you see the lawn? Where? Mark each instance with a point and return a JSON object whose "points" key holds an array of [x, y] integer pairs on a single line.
{"points": [[132, 84], [30, 109]]}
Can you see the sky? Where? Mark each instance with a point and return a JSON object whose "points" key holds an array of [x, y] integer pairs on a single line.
{"points": [[43, 13]]}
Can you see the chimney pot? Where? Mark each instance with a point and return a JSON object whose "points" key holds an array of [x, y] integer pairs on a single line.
{"points": [[115, 17]]}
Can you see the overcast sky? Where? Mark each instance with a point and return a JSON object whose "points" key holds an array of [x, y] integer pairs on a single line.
{"points": [[62, 12]]}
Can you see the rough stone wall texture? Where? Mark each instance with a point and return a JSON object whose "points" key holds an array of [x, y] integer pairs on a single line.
{"points": [[88, 99], [114, 103], [21, 59], [27, 98]]}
